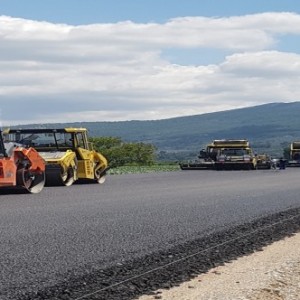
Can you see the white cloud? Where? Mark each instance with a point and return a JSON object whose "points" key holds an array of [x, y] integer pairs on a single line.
{"points": [[59, 73], [263, 64]]}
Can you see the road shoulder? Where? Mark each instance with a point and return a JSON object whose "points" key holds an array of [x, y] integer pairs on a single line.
{"points": [[271, 274]]}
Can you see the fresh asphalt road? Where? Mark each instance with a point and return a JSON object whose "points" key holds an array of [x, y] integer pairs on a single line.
{"points": [[85, 227]]}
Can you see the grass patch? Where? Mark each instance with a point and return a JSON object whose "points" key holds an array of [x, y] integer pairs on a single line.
{"points": [[143, 169]]}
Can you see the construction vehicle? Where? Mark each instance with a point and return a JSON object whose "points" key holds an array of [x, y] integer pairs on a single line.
{"points": [[264, 161], [68, 154], [203, 162], [234, 154], [21, 168], [224, 154], [294, 160]]}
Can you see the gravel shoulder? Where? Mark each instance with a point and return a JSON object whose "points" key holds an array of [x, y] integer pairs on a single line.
{"points": [[270, 274]]}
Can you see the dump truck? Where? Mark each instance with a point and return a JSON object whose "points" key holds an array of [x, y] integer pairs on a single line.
{"points": [[21, 168], [294, 160], [68, 154]]}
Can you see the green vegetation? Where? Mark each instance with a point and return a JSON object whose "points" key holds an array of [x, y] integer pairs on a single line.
{"points": [[120, 153], [144, 169], [127, 158]]}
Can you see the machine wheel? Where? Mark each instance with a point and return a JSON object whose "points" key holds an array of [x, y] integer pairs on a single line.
{"points": [[99, 176], [68, 177], [32, 183]]}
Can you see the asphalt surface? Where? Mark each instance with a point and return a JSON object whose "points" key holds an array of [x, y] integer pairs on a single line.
{"points": [[65, 233]]}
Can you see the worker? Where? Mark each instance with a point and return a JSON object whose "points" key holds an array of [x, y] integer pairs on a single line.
{"points": [[281, 163]]}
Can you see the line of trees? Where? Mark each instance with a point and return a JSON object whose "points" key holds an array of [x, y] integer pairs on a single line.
{"points": [[120, 153]]}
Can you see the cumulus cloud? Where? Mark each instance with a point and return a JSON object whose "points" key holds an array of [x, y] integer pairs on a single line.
{"points": [[109, 72]]}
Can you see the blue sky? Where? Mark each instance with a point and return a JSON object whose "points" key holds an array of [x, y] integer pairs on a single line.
{"points": [[93, 60], [93, 11]]}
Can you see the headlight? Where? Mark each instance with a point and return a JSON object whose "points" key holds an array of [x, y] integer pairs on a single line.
{"points": [[247, 158]]}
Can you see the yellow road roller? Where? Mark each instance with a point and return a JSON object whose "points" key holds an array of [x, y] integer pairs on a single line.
{"points": [[68, 154]]}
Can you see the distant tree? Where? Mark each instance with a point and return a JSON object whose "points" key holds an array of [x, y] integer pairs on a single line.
{"points": [[106, 142], [120, 153], [139, 153]]}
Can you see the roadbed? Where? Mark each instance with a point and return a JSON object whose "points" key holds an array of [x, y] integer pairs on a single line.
{"points": [[270, 274]]}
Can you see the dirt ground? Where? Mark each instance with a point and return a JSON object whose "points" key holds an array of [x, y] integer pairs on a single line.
{"points": [[271, 274]]}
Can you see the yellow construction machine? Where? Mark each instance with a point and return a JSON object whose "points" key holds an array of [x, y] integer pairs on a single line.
{"points": [[233, 154], [264, 161], [294, 160], [224, 154], [68, 154]]}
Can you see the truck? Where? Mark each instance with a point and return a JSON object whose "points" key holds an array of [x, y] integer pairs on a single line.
{"points": [[68, 154], [20, 167]]}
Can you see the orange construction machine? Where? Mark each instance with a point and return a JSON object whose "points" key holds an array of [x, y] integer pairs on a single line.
{"points": [[21, 167]]}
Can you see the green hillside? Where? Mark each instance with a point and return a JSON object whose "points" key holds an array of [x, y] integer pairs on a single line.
{"points": [[269, 128]]}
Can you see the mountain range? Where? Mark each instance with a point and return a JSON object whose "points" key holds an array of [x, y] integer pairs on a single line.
{"points": [[270, 128]]}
